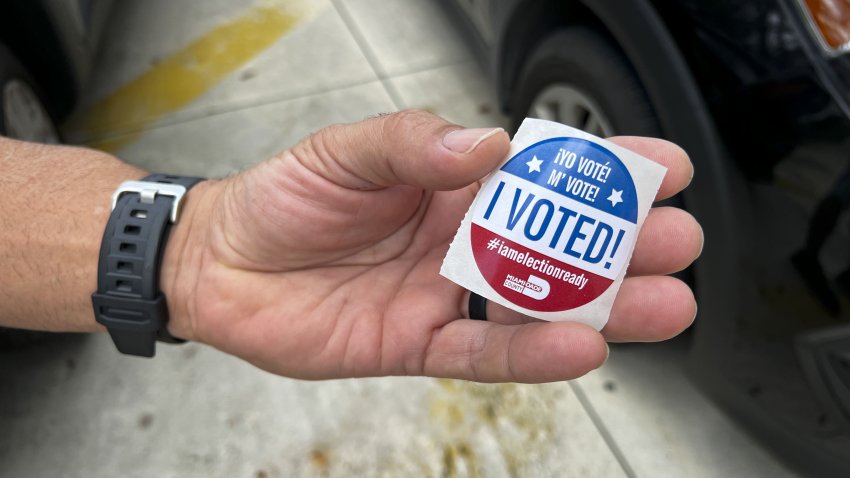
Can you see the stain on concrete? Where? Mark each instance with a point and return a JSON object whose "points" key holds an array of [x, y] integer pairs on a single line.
{"points": [[145, 421], [459, 461], [189, 351], [520, 418], [247, 74], [234, 421], [320, 459]]}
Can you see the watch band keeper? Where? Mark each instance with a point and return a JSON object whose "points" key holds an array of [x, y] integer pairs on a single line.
{"points": [[128, 318]]}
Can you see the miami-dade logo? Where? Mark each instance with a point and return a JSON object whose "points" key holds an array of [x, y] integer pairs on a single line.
{"points": [[534, 287], [550, 228]]}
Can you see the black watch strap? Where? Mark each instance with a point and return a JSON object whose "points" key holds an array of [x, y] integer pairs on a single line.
{"points": [[128, 300]]}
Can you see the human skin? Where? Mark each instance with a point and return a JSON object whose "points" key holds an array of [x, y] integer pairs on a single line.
{"points": [[323, 261]]}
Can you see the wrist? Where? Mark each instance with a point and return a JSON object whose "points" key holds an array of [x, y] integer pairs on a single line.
{"points": [[184, 258]]}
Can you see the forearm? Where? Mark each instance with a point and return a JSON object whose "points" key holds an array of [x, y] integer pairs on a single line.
{"points": [[55, 203]]}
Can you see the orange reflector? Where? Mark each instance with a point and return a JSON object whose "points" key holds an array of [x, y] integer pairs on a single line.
{"points": [[832, 19]]}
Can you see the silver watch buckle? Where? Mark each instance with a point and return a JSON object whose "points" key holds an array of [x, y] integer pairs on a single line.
{"points": [[148, 192]]}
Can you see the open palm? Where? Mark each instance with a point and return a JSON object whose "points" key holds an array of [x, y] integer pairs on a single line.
{"points": [[324, 262]]}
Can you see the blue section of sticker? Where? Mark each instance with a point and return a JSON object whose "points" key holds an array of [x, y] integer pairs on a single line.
{"points": [[580, 170]]}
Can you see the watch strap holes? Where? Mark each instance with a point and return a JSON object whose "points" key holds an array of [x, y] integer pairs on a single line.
{"points": [[123, 286]]}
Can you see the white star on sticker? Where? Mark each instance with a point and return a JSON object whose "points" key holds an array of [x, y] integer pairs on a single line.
{"points": [[534, 165], [616, 197]]}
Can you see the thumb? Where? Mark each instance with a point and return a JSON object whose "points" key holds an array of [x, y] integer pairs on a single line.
{"points": [[410, 147]]}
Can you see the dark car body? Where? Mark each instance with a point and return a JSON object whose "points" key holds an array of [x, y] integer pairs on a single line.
{"points": [[56, 41], [762, 105]]}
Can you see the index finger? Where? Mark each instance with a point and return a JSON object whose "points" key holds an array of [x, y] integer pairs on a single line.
{"points": [[680, 170]]}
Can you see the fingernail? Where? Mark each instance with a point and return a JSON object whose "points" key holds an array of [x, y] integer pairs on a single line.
{"points": [[466, 140]]}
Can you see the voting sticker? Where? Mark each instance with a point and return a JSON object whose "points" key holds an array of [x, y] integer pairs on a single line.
{"points": [[552, 230]]}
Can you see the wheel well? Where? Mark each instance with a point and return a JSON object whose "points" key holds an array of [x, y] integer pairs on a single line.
{"points": [[25, 29], [640, 32], [529, 24]]}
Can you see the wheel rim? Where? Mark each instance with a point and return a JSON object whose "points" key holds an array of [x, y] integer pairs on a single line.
{"points": [[24, 115], [572, 107]]}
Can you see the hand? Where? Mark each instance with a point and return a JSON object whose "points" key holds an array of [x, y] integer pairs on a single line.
{"points": [[323, 262]]}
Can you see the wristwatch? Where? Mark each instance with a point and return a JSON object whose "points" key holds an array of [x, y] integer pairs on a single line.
{"points": [[128, 300]]}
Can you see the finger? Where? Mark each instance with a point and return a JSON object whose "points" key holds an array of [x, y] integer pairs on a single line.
{"points": [[530, 353], [649, 309], [410, 147], [680, 171], [669, 241]]}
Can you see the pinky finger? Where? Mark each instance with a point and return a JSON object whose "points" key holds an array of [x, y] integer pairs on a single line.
{"points": [[649, 309]]}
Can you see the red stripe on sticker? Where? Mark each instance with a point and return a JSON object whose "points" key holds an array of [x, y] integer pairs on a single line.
{"points": [[530, 279]]}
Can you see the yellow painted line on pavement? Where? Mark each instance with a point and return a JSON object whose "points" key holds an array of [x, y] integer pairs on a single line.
{"points": [[183, 76]]}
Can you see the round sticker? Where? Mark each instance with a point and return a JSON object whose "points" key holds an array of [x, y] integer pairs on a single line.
{"points": [[553, 228]]}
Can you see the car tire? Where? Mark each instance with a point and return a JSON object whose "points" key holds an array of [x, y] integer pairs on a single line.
{"points": [[589, 68], [24, 112], [594, 71]]}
